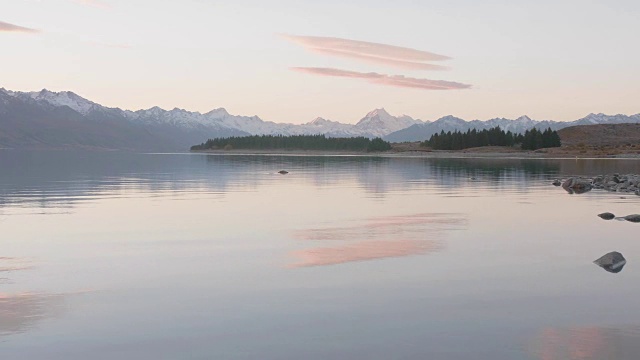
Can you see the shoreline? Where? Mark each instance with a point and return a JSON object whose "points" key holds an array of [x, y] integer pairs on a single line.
{"points": [[435, 154]]}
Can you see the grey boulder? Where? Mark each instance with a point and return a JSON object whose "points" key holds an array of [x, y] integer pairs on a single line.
{"points": [[612, 262]]}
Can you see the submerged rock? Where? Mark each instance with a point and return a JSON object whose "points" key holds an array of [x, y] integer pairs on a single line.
{"points": [[283, 172], [633, 218], [612, 262], [606, 216]]}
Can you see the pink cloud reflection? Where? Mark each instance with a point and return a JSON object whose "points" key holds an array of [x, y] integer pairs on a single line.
{"points": [[386, 237], [362, 251]]}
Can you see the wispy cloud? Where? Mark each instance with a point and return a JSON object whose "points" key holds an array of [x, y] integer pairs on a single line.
{"points": [[359, 49], [6, 27], [383, 79], [410, 65]]}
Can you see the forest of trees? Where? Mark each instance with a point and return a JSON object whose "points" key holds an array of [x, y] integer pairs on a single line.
{"points": [[295, 142], [531, 140]]}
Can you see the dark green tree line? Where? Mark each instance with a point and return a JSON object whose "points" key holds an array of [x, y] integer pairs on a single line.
{"points": [[295, 142], [531, 140], [535, 139]]}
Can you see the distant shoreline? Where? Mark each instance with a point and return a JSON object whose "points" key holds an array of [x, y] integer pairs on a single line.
{"points": [[484, 153]]}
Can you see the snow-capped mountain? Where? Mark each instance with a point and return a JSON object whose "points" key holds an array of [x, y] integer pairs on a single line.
{"points": [[380, 123], [215, 123], [63, 98], [423, 131], [64, 119]]}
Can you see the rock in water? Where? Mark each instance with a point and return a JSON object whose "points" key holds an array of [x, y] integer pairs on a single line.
{"points": [[612, 262], [633, 218], [577, 185], [283, 172], [568, 183], [607, 216]]}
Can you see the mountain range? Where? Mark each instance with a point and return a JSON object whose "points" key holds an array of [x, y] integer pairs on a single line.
{"points": [[46, 119]]}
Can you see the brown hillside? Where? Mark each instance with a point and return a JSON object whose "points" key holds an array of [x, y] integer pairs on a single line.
{"points": [[601, 135]]}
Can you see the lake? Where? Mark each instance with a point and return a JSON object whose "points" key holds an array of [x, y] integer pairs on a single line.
{"points": [[111, 255]]}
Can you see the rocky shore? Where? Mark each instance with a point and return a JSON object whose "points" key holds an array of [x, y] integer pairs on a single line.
{"points": [[629, 183]]}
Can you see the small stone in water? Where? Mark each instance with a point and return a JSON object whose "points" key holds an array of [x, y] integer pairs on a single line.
{"points": [[606, 216]]}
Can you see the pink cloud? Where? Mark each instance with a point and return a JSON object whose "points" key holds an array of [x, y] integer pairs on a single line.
{"points": [[6, 27], [411, 65], [383, 79], [364, 48]]}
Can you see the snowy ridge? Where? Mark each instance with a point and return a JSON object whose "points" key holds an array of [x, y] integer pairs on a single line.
{"points": [[380, 123], [219, 122], [63, 98], [420, 132]]}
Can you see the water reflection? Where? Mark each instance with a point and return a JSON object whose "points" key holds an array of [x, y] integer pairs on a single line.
{"points": [[364, 250], [588, 343], [8, 264], [377, 238], [60, 180], [21, 312]]}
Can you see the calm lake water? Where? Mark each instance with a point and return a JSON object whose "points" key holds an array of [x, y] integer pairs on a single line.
{"points": [[191, 256]]}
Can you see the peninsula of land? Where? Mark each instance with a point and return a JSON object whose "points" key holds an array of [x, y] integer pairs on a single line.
{"points": [[583, 141]]}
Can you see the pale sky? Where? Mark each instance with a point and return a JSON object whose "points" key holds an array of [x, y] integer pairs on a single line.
{"points": [[556, 60]]}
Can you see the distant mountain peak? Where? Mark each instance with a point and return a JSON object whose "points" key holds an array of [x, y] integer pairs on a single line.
{"points": [[450, 118], [218, 113], [319, 121], [524, 118], [155, 110], [378, 112], [64, 98]]}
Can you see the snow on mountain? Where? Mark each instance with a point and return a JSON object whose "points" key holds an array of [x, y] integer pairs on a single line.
{"points": [[380, 123], [250, 124], [607, 119], [187, 126], [64, 98], [420, 132]]}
